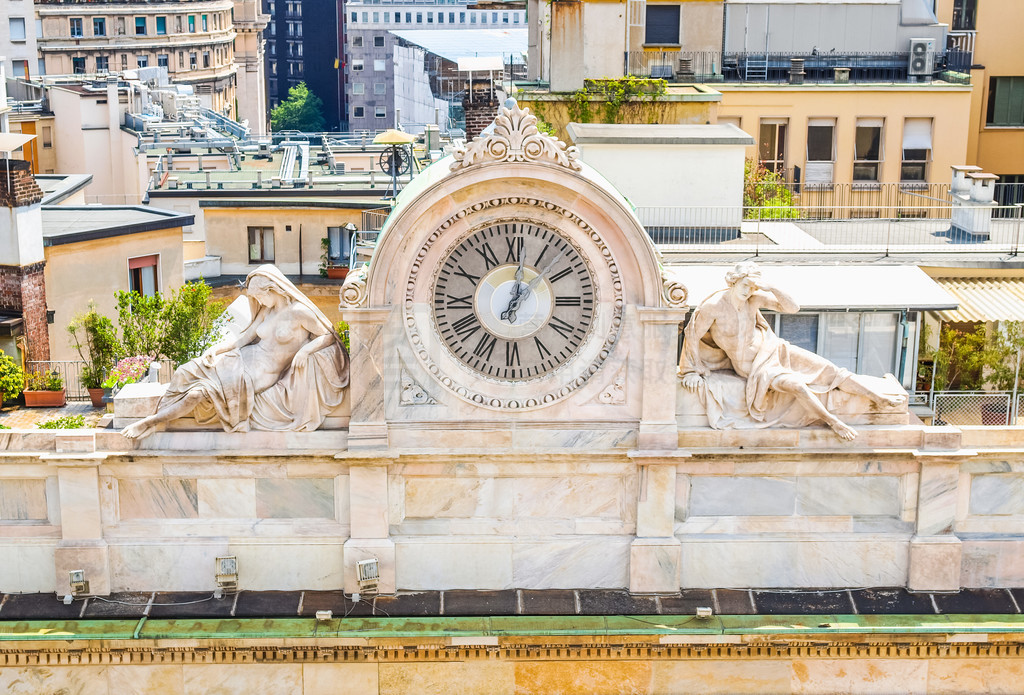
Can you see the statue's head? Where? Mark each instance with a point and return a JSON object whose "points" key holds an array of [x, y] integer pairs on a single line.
{"points": [[264, 289], [743, 279]]}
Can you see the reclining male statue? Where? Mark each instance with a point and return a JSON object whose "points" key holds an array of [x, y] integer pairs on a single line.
{"points": [[785, 384]]}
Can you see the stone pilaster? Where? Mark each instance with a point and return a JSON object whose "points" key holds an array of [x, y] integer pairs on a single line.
{"points": [[655, 555], [368, 520], [369, 369], [658, 430]]}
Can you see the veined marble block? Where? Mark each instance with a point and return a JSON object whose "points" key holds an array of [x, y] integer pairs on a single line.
{"points": [[23, 500], [295, 498], [27, 564], [158, 498], [999, 494]]}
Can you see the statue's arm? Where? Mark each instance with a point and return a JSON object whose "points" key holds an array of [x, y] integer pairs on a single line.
{"points": [[689, 361], [772, 298], [321, 340]]}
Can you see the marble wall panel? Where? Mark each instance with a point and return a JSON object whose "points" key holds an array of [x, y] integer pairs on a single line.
{"points": [[998, 495], [185, 565], [339, 679], [206, 679], [765, 562], [81, 680], [957, 676], [468, 564], [855, 676], [316, 564], [734, 676], [549, 678], [992, 563], [562, 497], [227, 498], [427, 498], [166, 680], [295, 498], [28, 566], [741, 496], [167, 498], [601, 562], [22, 500], [871, 495], [492, 677]]}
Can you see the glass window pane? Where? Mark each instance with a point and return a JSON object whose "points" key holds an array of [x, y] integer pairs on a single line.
{"points": [[879, 356], [868, 140], [840, 339], [819, 143], [268, 243], [800, 330]]}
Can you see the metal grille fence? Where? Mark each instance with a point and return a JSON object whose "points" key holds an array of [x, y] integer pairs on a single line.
{"points": [[71, 372], [991, 408]]}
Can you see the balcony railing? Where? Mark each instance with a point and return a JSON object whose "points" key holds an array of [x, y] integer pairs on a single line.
{"points": [[866, 228], [818, 68]]}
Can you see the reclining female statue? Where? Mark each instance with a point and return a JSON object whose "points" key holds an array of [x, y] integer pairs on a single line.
{"points": [[286, 370], [785, 384]]}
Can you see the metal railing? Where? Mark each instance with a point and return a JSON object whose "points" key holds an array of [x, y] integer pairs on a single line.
{"points": [[831, 199], [988, 408], [373, 220], [71, 373], [909, 229], [716, 66]]}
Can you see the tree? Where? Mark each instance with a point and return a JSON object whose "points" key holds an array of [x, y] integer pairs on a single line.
{"points": [[303, 111], [766, 192], [94, 337]]}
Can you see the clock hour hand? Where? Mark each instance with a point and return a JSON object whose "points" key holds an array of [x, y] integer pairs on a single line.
{"points": [[517, 299], [510, 311]]}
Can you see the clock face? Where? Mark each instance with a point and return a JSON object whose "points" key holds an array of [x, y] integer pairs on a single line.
{"points": [[514, 301]]}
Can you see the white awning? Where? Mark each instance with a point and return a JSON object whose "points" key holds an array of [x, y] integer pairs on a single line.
{"points": [[870, 122], [12, 141], [831, 287], [984, 299], [917, 134], [481, 64]]}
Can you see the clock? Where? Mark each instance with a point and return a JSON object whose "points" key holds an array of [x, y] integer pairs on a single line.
{"points": [[514, 301]]}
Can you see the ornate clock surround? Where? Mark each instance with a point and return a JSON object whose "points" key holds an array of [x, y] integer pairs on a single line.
{"points": [[561, 382]]}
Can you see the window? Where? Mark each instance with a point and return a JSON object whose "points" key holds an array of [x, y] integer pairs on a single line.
{"points": [[358, 112], [378, 41], [419, 18], [772, 144], [206, 59], [124, 61], [440, 17], [430, 18], [380, 88], [376, 16], [142, 61], [76, 27], [863, 342], [99, 26], [1006, 101], [20, 68], [47, 137], [472, 17], [161, 25], [193, 62], [378, 66], [662, 24], [261, 244], [177, 24], [494, 18], [380, 112], [142, 275], [867, 149], [820, 150], [357, 66], [917, 147], [504, 17], [17, 26], [140, 26], [338, 245], [358, 88], [102, 64], [354, 18], [964, 14], [462, 18], [800, 330], [120, 26], [191, 24], [78, 66], [387, 17], [204, 23], [161, 60], [408, 17], [357, 42], [181, 60], [451, 18]]}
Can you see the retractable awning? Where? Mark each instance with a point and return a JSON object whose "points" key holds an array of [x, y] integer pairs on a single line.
{"points": [[984, 299], [831, 287]]}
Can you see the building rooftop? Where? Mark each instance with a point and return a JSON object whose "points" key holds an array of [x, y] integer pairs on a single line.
{"points": [[66, 224], [453, 44], [59, 187]]}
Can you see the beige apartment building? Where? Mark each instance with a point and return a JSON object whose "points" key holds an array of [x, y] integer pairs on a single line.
{"points": [[193, 39], [990, 29]]}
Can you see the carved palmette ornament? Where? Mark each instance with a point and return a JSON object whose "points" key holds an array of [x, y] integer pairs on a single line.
{"points": [[353, 292], [515, 139]]}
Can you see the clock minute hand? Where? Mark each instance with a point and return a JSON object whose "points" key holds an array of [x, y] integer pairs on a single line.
{"points": [[517, 300]]}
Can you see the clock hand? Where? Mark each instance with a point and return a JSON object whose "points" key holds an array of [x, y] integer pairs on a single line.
{"points": [[510, 311], [517, 300]]}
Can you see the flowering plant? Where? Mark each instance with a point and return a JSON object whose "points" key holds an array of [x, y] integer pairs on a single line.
{"points": [[128, 371]]}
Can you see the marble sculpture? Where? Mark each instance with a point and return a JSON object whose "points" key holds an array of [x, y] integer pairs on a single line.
{"points": [[785, 385], [286, 370]]}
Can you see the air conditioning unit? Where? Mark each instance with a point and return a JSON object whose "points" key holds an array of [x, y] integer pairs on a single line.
{"points": [[922, 57]]}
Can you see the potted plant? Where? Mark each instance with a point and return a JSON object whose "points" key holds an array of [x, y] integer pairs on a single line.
{"points": [[127, 371], [12, 379], [44, 390], [95, 339], [328, 269]]}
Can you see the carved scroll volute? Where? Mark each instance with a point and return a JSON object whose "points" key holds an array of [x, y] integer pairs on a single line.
{"points": [[515, 139], [353, 292], [673, 291]]}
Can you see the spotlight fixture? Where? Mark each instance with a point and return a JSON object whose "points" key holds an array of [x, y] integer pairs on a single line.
{"points": [[368, 573], [227, 575], [79, 584], [703, 612]]}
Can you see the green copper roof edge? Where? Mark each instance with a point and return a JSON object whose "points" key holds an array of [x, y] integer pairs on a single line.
{"points": [[497, 626]]}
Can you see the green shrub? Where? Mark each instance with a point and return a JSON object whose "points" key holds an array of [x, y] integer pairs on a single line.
{"points": [[65, 422], [44, 381], [12, 379]]}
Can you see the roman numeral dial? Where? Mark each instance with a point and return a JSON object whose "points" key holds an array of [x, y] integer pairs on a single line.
{"points": [[514, 301]]}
